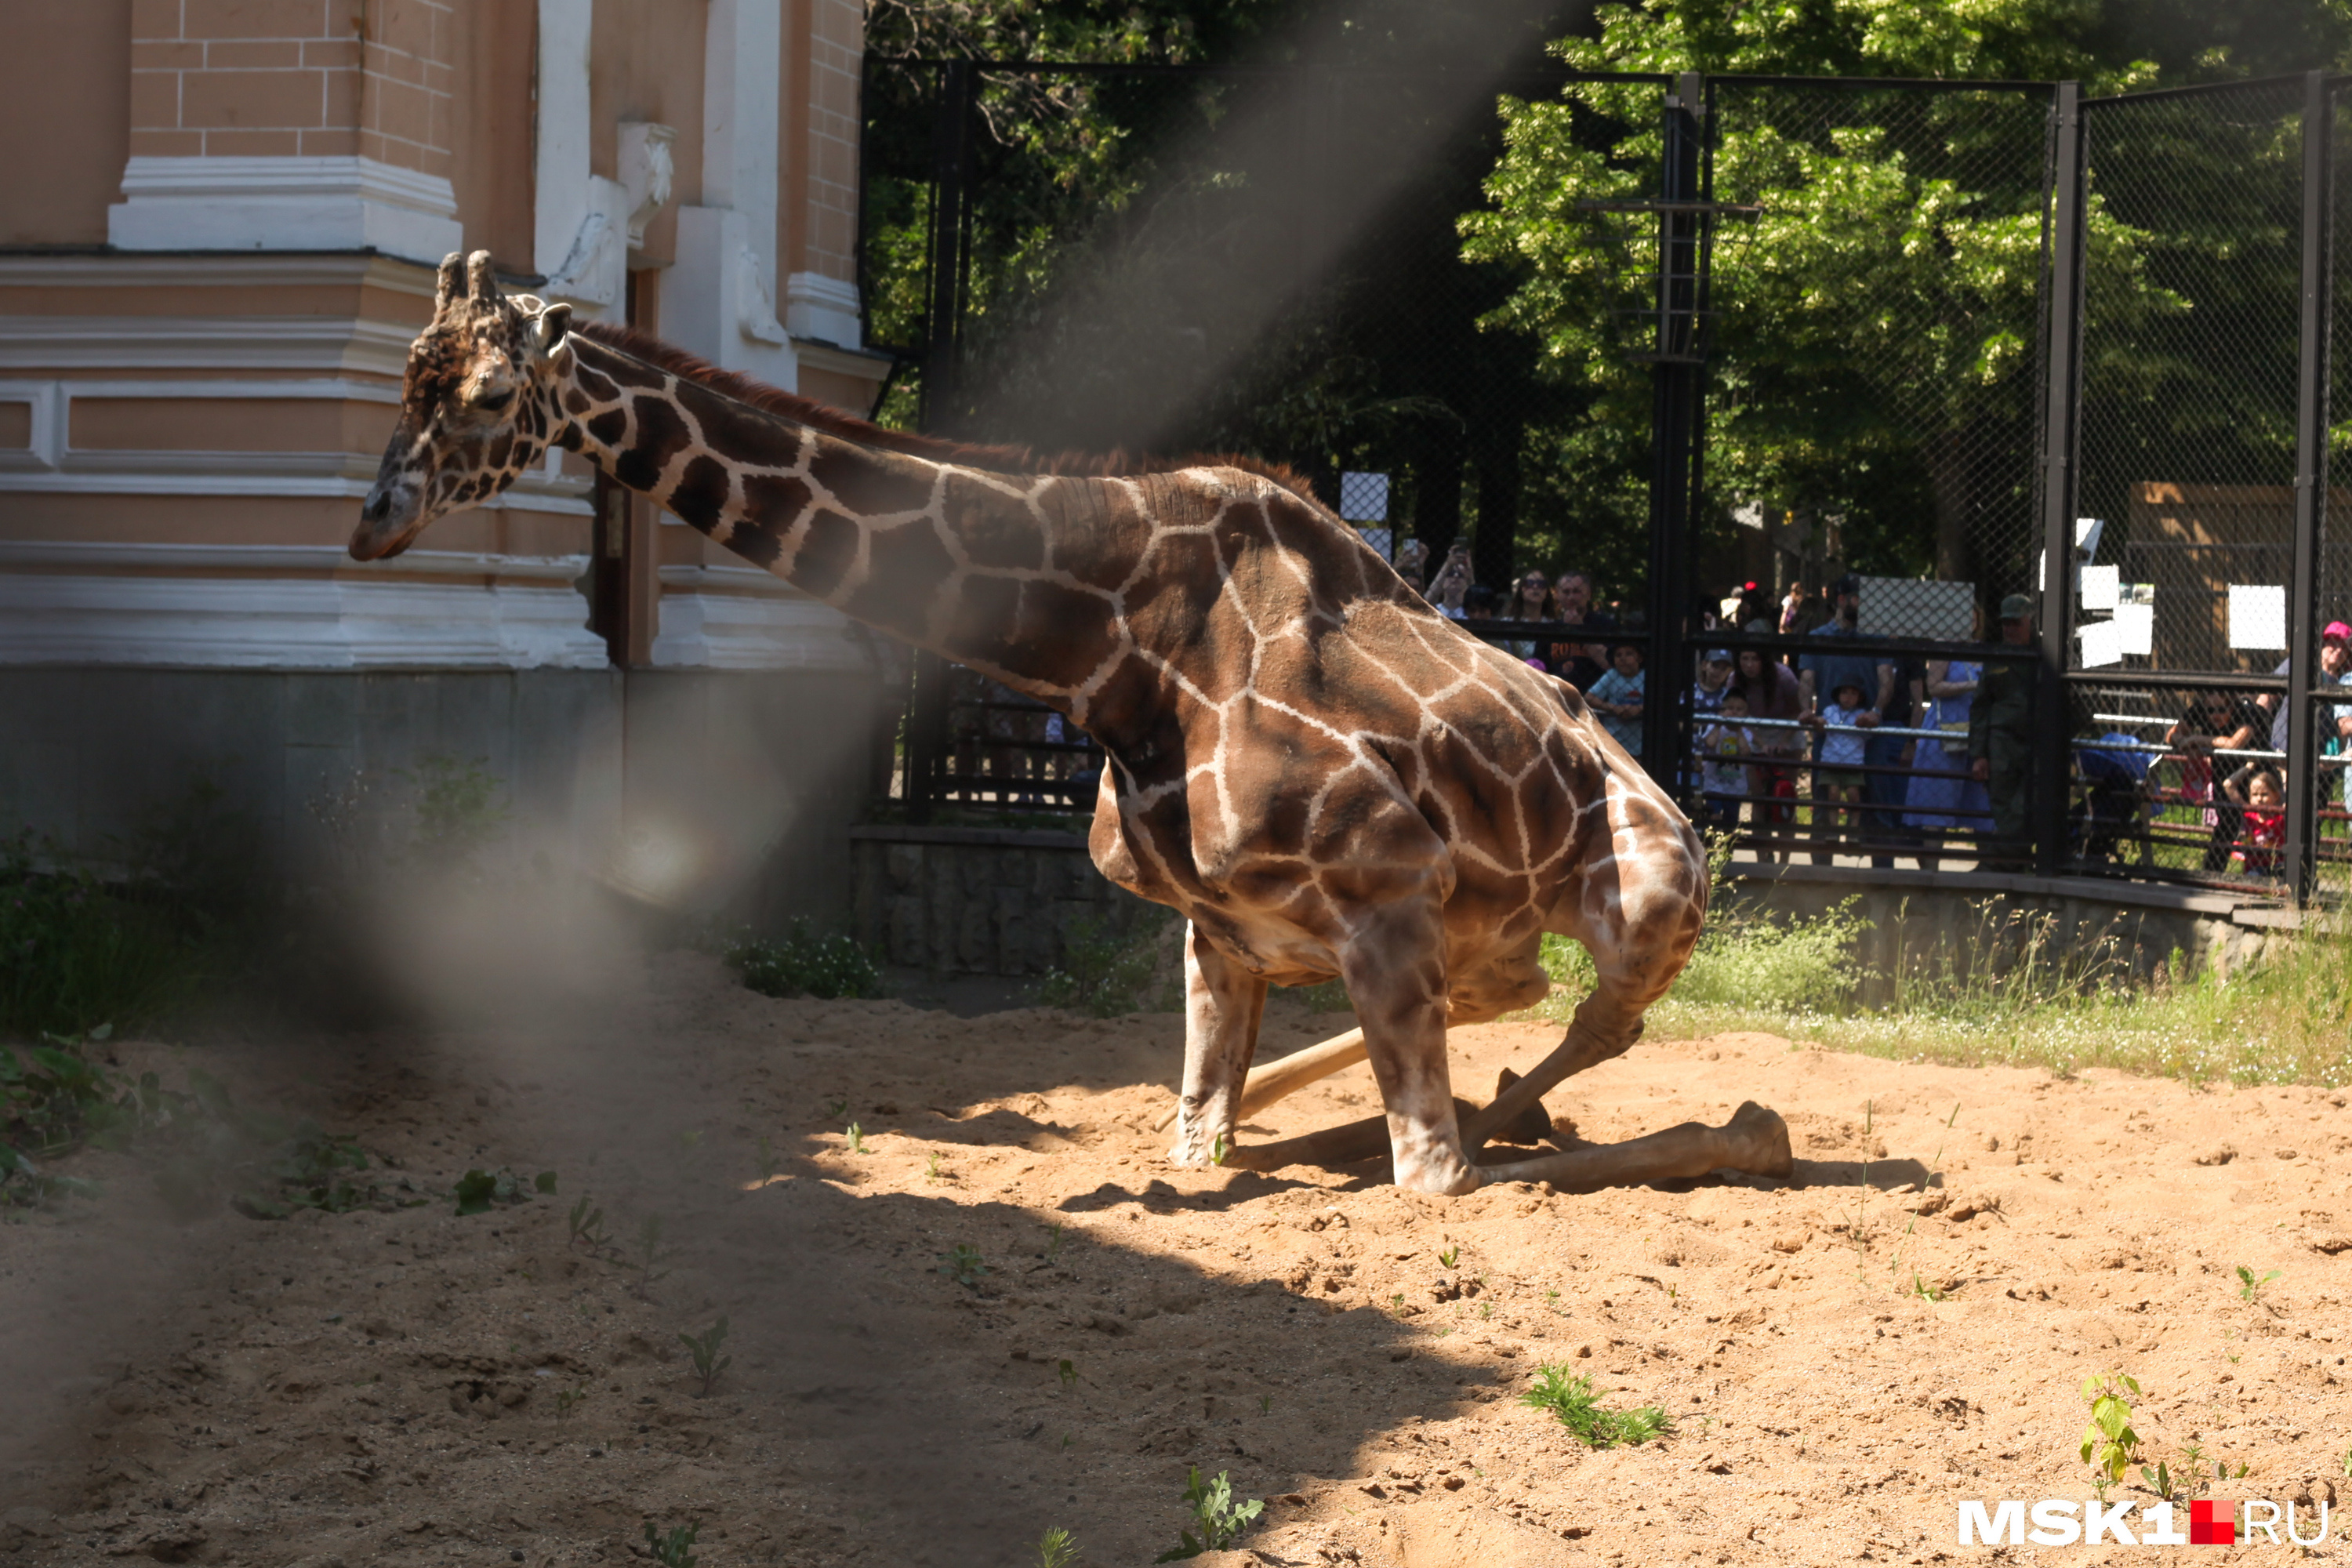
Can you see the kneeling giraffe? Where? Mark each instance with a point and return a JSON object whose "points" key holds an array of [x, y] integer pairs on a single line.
{"points": [[1322, 773]]}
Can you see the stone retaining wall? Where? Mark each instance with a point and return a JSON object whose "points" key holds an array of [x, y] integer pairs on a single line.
{"points": [[975, 900], [984, 900]]}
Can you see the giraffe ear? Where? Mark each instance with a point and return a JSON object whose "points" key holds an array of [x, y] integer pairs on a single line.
{"points": [[554, 323], [452, 278]]}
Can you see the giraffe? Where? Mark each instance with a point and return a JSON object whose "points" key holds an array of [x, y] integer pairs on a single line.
{"points": [[1323, 775]]}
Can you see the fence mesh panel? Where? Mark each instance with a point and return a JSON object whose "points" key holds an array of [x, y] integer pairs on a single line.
{"points": [[2189, 372]]}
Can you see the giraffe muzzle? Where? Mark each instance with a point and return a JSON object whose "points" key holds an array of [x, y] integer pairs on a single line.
{"points": [[387, 522]]}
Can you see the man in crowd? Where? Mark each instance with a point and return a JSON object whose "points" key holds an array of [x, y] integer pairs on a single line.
{"points": [[2000, 733], [1819, 674], [1580, 664]]}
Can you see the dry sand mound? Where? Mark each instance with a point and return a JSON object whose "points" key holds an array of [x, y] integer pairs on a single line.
{"points": [[415, 1388]]}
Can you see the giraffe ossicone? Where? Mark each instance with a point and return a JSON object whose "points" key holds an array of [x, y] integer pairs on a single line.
{"points": [[1323, 776]]}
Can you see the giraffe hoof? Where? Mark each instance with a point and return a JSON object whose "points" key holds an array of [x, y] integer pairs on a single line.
{"points": [[1761, 1139]]}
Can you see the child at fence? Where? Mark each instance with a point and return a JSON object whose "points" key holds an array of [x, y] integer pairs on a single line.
{"points": [[1617, 697], [1725, 745], [1837, 772], [2261, 825]]}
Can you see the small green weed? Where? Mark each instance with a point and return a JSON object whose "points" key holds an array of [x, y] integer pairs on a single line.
{"points": [[567, 1399], [708, 1363], [856, 1139], [650, 1257], [479, 1191], [586, 1229], [78, 950], [769, 1164], [1054, 1241], [1221, 1520], [1056, 1548], [1450, 1256], [674, 1550], [2250, 1285], [932, 1167], [1570, 1398], [1069, 1373], [2109, 1444], [805, 962], [963, 1266]]}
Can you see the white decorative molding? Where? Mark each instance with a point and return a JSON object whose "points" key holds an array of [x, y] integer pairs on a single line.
{"points": [[715, 304], [44, 442], [427, 610], [863, 364], [825, 308], [738, 617], [346, 203], [130, 269], [594, 271], [333, 343], [561, 203], [646, 173]]}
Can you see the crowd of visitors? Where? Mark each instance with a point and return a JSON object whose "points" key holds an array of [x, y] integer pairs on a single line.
{"points": [[1840, 743]]}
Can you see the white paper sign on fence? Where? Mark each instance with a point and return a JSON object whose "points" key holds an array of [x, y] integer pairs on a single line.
{"points": [[2103, 643], [2135, 626], [2100, 587], [2257, 615]]}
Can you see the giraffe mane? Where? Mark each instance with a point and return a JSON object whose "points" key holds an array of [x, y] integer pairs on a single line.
{"points": [[1003, 460]]}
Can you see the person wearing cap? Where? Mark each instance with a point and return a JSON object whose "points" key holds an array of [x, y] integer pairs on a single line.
{"points": [[1707, 692], [2000, 735], [2336, 730], [1819, 674], [2335, 670]]}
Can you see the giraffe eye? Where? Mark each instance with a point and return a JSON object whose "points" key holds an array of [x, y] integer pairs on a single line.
{"points": [[492, 402]]}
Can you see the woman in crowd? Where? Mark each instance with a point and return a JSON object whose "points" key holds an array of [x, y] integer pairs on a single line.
{"points": [[1770, 691], [1940, 797], [1530, 601]]}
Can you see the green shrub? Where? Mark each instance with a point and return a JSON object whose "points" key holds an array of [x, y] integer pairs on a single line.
{"points": [[77, 952], [1101, 974], [805, 962]]}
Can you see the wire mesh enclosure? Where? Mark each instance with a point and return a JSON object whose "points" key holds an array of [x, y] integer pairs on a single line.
{"points": [[1894, 346]]}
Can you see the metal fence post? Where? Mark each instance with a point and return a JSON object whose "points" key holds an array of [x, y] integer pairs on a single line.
{"points": [[951, 152], [2061, 438], [1675, 433], [2312, 390]]}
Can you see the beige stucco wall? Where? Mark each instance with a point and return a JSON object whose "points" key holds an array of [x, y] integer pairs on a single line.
{"points": [[65, 90]]}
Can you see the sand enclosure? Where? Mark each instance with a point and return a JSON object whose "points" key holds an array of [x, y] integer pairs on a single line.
{"points": [[412, 1386]]}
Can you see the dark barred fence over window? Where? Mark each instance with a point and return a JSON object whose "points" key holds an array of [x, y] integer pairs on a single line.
{"points": [[1980, 353]]}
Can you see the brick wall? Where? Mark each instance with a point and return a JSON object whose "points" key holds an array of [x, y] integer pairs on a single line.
{"points": [[822, 235], [293, 78]]}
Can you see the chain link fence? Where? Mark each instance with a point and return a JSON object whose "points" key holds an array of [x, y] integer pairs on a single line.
{"points": [[1939, 328]]}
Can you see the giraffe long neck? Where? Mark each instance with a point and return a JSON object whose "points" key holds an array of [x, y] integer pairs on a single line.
{"points": [[1017, 575]]}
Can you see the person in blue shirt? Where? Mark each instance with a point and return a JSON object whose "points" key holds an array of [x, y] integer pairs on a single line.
{"points": [[1819, 674], [1617, 697]]}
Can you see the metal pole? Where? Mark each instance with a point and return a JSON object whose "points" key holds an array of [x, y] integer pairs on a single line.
{"points": [[1673, 434], [2304, 779], [2061, 442], [951, 133]]}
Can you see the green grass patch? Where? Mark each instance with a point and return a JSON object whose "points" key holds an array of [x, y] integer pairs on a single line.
{"points": [[1571, 1400], [2007, 991]]}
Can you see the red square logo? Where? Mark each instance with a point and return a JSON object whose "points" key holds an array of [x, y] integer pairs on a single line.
{"points": [[2213, 1523]]}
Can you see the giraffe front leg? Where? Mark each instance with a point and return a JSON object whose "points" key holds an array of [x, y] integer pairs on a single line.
{"points": [[1223, 1004], [1397, 983]]}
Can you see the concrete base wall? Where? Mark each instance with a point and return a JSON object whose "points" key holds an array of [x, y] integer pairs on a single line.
{"points": [[1966, 918], [698, 790], [956, 901], [966, 900]]}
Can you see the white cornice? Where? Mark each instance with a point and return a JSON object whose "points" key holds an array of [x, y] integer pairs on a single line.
{"points": [[319, 623], [204, 343], [339, 203], [102, 555], [214, 270]]}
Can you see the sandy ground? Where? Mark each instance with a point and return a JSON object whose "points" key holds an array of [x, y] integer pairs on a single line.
{"points": [[415, 1387]]}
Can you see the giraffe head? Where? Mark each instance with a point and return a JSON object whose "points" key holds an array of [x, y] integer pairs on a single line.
{"points": [[477, 408]]}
